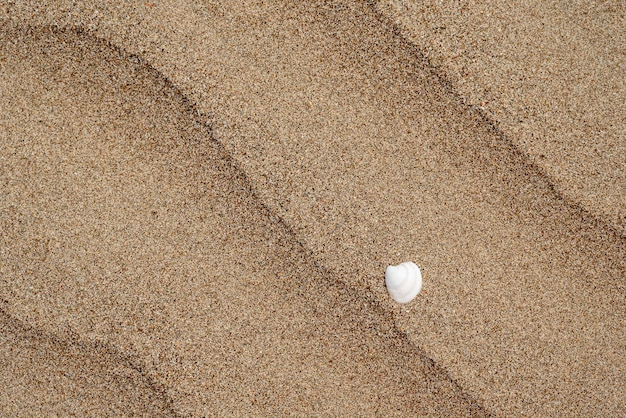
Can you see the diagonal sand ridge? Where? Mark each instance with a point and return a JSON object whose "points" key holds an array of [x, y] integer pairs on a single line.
{"points": [[124, 226]]}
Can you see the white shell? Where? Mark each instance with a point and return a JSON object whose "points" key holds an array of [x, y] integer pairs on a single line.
{"points": [[403, 281]]}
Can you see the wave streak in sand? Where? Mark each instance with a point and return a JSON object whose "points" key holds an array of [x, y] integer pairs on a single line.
{"points": [[124, 225]]}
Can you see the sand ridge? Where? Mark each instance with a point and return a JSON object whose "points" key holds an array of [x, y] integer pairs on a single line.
{"points": [[143, 238], [551, 76], [366, 158]]}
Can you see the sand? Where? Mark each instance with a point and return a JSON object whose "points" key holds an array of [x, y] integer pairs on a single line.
{"points": [[199, 199]]}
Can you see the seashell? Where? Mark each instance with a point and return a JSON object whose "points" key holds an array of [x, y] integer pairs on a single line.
{"points": [[403, 281]]}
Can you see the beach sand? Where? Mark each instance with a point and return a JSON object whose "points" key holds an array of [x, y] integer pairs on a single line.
{"points": [[199, 200]]}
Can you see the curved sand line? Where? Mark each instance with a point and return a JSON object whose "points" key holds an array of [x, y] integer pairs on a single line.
{"points": [[356, 146], [593, 186], [551, 76], [66, 377], [126, 226]]}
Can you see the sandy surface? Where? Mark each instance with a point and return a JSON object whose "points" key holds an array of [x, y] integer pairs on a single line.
{"points": [[199, 199]]}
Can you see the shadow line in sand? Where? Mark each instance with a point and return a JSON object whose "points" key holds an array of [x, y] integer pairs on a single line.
{"points": [[507, 146], [92, 374], [128, 224]]}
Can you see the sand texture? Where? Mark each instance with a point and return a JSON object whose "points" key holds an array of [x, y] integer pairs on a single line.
{"points": [[198, 201]]}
